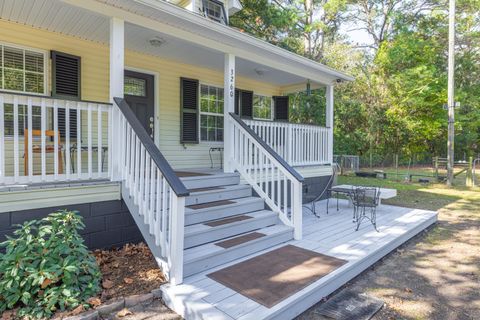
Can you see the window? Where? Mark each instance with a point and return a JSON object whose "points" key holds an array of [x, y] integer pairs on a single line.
{"points": [[262, 107], [22, 70], [211, 113], [135, 86], [214, 10]]}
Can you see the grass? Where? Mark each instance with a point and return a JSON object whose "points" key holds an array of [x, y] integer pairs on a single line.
{"points": [[431, 196]]}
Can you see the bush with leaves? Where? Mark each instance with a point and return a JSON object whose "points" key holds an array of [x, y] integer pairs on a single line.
{"points": [[46, 267]]}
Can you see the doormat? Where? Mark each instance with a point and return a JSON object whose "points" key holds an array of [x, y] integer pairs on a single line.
{"points": [[349, 305], [276, 275], [240, 240]]}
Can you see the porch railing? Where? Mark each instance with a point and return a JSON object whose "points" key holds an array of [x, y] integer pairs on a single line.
{"points": [[44, 139], [298, 144], [270, 176], [150, 183]]}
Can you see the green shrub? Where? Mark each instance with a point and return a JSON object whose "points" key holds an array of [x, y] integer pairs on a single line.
{"points": [[46, 267]]}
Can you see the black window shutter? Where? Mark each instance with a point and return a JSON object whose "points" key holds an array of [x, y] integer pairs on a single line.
{"points": [[246, 103], [281, 106], [66, 83], [189, 110]]}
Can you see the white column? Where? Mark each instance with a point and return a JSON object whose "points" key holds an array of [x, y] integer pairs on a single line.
{"points": [[329, 121], [229, 106], [117, 66]]}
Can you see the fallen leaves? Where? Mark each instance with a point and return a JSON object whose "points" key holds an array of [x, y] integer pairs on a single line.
{"points": [[128, 271], [107, 284], [77, 310], [94, 302], [123, 313], [46, 283]]}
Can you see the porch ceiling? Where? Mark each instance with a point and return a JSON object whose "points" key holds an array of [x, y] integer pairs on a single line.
{"points": [[63, 17]]}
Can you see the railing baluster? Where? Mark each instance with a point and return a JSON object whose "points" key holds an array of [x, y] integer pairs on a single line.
{"points": [[67, 141], [100, 142], [56, 163], [152, 196], [89, 140], [79, 141], [16, 163], [29, 154]]}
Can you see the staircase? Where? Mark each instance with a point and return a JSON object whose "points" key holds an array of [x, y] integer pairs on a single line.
{"points": [[194, 221], [225, 222]]}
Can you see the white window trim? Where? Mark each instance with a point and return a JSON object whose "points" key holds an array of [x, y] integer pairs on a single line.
{"points": [[45, 68], [271, 107], [200, 112]]}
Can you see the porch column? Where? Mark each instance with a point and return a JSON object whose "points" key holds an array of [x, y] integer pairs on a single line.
{"points": [[329, 121], [117, 66], [228, 106]]}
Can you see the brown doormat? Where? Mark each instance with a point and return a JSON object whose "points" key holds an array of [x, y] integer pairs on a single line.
{"points": [[217, 223], [210, 204], [239, 240], [186, 174], [276, 275]]}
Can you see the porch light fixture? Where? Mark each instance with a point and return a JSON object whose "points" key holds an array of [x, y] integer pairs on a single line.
{"points": [[156, 42]]}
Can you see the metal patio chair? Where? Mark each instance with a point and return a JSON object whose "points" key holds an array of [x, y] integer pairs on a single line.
{"points": [[365, 203]]}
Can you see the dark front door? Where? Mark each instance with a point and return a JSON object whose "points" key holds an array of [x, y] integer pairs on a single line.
{"points": [[140, 96]]}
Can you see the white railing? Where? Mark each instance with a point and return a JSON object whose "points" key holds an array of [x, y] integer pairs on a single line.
{"points": [[298, 144], [269, 175], [150, 183], [44, 139]]}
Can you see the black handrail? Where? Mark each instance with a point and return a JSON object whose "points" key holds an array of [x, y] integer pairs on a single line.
{"points": [[175, 183], [267, 148]]}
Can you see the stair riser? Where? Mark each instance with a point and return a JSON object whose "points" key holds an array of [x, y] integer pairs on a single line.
{"points": [[218, 195], [228, 231], [222, 212], [214, 181], [237, 252]]}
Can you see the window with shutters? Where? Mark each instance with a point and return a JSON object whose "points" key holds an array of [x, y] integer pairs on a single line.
{"points": [[22, 69], [262, 107], [211, 113]]}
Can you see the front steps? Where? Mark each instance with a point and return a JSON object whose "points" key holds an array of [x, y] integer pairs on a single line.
{"points": [[224, 222]]}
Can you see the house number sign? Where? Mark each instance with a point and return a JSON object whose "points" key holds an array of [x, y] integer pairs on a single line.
{"points": [[232, 83]]}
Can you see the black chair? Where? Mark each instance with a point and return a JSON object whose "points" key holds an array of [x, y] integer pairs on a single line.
{"points": [[365, 203]]}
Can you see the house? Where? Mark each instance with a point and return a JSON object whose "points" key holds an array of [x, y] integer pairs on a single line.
{"points": [[156, 120]]}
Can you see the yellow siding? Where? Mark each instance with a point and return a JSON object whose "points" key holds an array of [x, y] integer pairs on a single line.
{"points": [[95, 77]]}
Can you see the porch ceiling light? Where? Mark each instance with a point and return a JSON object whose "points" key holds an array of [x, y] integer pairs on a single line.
{"points": [[260, 71], [156, 42]]}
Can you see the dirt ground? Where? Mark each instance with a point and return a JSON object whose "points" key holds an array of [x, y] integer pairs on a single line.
{"points": [[436, 275]]}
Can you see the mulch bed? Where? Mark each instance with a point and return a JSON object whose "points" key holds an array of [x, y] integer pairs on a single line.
{"points": [[128, 271]]}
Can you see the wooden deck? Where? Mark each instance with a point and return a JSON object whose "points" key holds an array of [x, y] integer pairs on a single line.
{"points": [[200, 297]]}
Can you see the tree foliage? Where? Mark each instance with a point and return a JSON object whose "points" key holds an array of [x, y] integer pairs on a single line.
{"points": [[395, 105]]}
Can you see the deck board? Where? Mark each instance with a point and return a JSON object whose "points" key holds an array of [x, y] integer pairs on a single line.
{"points": [[333, 235]]}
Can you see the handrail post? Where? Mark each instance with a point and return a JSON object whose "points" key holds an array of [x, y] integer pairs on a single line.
{"points": [[297, 214], [177, 238]]}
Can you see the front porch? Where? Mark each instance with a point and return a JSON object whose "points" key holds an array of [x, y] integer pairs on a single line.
{"points": [[200, 297]]}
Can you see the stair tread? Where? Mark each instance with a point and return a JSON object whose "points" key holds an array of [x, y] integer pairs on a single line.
{"points": [[201, 191], [202, 227], [232, 203], [211, 248], [209, 175]]}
